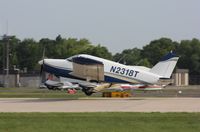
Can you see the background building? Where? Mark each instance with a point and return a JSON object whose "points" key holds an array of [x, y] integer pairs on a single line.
{"points": [[181, 77]]}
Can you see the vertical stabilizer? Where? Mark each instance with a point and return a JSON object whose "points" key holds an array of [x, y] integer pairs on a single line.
{"points": [[165, 66]]}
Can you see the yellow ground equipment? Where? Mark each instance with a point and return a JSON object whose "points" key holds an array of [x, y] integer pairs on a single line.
{"points": [[116, 94]]}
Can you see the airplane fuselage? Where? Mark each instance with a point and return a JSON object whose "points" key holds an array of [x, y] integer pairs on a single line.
{"points": [[113, 72]]}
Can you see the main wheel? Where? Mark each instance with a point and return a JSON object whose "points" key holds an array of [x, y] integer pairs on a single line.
{"points": [[88, 91]]}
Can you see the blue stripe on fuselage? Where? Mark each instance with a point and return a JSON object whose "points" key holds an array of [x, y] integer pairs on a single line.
{"points": [[57, 71], [65, 73], [114, 80]]}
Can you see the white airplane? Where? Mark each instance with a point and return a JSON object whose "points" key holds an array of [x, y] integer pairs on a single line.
{"points": [[95, 69]]}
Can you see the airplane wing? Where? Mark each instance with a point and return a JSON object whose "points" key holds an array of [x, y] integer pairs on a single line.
{"points": [[88, 69]]}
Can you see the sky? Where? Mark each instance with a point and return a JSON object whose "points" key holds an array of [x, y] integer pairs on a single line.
{"points": [[116, 24]]}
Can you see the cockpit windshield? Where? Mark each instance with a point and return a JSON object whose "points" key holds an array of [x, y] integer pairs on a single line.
{"points": [[70, 58]]}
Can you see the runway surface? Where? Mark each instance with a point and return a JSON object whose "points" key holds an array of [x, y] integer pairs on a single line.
{"points": [[100, 105]]}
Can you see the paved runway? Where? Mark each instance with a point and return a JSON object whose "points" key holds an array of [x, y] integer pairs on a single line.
{"points": [[100, 105]]}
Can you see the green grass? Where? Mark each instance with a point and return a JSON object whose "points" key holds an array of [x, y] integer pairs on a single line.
{"points": [[99, 122], [37, 93], [45, 93]]}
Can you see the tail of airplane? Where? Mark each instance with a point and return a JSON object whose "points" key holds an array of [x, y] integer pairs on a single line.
{"points": [[166, 65]]}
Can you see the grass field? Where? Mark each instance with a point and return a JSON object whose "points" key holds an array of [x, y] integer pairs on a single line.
{"points": [[36, 93], [99, 122], [192, 91], [93, 122]]}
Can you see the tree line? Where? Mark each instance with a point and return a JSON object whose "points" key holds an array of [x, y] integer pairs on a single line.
{"points": [[26, 53]]}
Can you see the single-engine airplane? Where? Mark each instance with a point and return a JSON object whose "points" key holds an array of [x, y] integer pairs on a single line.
{"points": [[106, 72]]}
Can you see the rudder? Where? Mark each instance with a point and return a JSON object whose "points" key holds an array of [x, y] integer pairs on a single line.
{"points": [[166, 65]]}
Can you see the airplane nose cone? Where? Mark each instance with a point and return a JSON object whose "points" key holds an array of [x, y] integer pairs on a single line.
{"points": [[58, 67], [56, 63]]}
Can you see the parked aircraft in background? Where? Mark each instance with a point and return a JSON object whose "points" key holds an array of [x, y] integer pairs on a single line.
{"points": [[61, 84], [107, 73], [142, 87]]}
